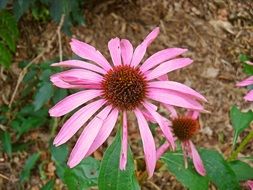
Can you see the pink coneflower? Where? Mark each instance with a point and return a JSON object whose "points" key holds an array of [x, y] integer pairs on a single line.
{"points": [[184, 128], [247, 82], [121, 87]]}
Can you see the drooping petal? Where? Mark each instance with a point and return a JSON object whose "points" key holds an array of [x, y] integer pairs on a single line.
{"points": [[160, 57], [249, 183], [162, 149], [126, 51], [168, 66], [115, 51], [172, 110], [147, 141], [246, 82], [88, 52], [87, 137], [71, 102], [80, 64], [198, 164], [175, 99], [123, 153], [249, 96], [164, 127], [171, 85], [193, 114], [148, 116], [140, 51], [104, 132], [76, 121]]}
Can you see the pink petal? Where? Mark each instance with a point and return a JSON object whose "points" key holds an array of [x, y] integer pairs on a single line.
{"points": [[249, 62], [171, 85], [115, 51], [163, 77], [78, 76], [87, 137], [162, 149], [198, 164], [193, 114], [104, 132], [168, 67], [249, 96], [71, 102], [160, 57], [76, 121], [80, 64], [172, 110], [248, 81], [147, 141], [250, 184], [126, 51], [140, 51], [123, 154], [57, 81], [174, 98], [148, 116], [164, 127], [88, 52]]}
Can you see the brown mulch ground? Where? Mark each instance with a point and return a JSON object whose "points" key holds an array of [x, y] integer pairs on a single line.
{"points": [[215, 32]]}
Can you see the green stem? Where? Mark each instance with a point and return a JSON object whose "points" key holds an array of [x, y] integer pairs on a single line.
{"points": [[241, 147], [55, 124]]}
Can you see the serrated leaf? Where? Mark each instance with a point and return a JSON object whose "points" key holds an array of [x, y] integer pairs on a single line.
{"points": [[6, 140], [240, 121], [110, 176], [29, 165], [242, 170], [219, 171], [43, 95], [187, 176], [48, 186]]}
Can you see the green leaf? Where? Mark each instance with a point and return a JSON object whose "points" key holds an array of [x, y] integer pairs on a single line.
{"points": [[110, 176], [59, 95], [6, 140], [240, 121], [43, 95], [3, 4], [188, 177], [48, 186], [20, 7], [5, 56], [219, 171], [29, 165], [242, 170], [8, 37], [83, 176]]}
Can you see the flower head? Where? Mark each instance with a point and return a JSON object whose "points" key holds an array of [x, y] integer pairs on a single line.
{"points": [[249, 183], [124, 86], [184, 128]]}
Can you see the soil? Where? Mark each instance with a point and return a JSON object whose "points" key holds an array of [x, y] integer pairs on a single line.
{"points": [[215, 33]]}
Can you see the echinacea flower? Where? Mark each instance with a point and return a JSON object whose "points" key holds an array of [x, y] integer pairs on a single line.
{"points": [[247, 82], [124, 86], [184, 128]]}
